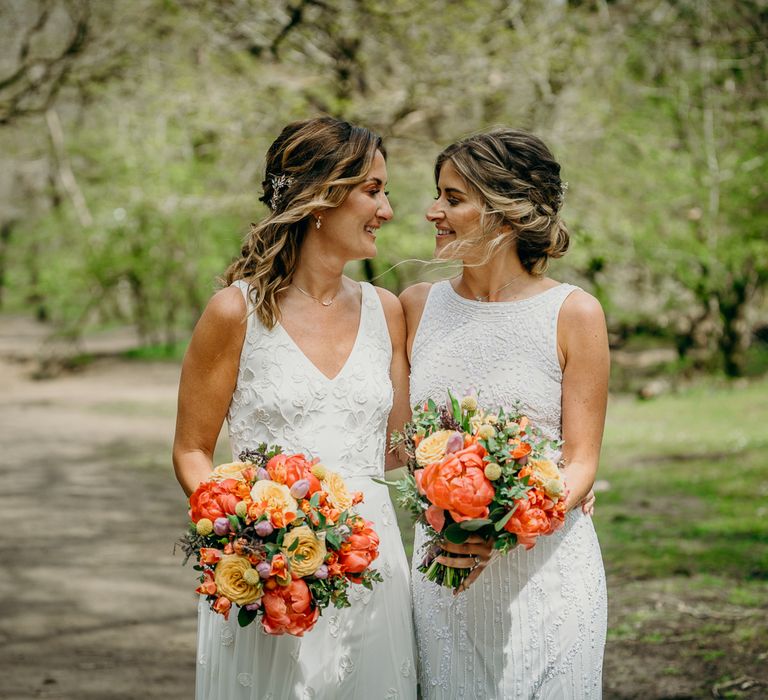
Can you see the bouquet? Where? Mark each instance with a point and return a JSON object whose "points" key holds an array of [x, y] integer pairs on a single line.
{"points": [[472, 471], [275, 535]]}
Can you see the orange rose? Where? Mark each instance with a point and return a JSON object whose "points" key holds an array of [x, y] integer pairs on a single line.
{"points": [[222, 606], [458, 484], [519, 449], [359, 549], [208, 586], [209, 555], [289, 469], [535, 515], [289, 609], [214, 500]]}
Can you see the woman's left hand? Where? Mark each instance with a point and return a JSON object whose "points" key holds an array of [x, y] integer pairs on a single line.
{"points": [[588, 503]]}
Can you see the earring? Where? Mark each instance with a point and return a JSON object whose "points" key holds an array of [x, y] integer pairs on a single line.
{"points": [[318, 222]]}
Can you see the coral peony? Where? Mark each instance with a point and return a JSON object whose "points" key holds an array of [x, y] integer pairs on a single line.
{"points": [[458, 484], [289, 609], [535, 515], [213, 500], [359, 549], [290, 469]]}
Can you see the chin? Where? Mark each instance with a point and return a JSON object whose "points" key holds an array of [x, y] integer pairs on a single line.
{"points": [[442, 243]]}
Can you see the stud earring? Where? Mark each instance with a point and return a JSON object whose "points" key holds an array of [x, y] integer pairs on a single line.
{"points": [[318, 222]]}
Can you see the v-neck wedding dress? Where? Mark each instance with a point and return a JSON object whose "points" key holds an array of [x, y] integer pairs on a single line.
{"points": [[281, 397]]}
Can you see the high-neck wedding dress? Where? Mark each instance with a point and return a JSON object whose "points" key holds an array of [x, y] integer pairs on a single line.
{"points": [[366, 651], [533, 625]]}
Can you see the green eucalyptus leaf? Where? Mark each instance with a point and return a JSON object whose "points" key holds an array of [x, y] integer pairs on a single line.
{"points": [[475, 524], [456, 534]]}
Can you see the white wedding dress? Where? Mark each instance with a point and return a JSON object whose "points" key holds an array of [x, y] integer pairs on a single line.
{"points": [[533, 625], [366, 651]]}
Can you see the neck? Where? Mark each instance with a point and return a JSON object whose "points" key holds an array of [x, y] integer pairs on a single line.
{"points": [[318, 271], [497, 279]]}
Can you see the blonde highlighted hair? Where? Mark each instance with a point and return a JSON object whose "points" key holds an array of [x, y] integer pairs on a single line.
{"points": [[516, 180], [311, 166]]}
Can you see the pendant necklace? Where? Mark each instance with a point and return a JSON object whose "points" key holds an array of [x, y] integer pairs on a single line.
{"points": [[319, 301], [495, 291]]}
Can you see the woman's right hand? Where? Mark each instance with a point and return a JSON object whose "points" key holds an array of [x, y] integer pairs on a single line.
{"points": [[475, 554]]}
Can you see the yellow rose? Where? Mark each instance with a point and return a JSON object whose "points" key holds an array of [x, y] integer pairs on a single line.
{"points": [[338, 493], [230, 470], [432, 448], [486, 431], [308, 554], [234, 580], [275, 500], [549, 476], [544, 469]]}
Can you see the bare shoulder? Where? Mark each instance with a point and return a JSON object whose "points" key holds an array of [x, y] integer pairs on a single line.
{"points": [[414, 297], [390, 302], [226, 308], [581, 309], [393, 312]]}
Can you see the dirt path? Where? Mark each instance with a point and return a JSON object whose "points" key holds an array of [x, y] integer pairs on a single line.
{"points": [[93, 604]]}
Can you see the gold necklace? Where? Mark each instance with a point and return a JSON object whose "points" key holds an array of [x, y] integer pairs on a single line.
{"points": [[494, 291], [319, 301]]}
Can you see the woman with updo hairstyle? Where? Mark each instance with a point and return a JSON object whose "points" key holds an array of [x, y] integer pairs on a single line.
{"points": [[291, 352], [532, 623]]}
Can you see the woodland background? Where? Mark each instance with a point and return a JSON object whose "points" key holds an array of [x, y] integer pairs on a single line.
{"points": [[132, 136]]}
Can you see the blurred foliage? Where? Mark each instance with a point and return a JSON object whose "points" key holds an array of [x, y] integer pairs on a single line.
{"points": [[132, 137]]}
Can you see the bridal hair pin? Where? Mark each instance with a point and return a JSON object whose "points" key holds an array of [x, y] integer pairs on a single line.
{"points": [[561, 196], [279, 183]]}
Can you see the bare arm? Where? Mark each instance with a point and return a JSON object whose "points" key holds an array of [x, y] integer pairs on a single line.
{"points": [[414, 300], [208, 378], [398, 371], [583, 345]]}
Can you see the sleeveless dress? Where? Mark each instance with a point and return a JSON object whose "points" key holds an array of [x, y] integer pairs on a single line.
{"points": [[533, 625], [366, 650]]}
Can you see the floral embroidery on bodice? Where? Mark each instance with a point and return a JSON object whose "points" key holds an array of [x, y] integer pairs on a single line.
{"points": [[504, 352], [282, 398]]}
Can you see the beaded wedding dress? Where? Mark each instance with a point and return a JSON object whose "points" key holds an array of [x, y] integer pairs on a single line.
{"points": [[533, 625], [366, 651]]}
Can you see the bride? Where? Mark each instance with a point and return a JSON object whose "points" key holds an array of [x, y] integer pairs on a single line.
{"points": [[294, 353], [533, 624]]}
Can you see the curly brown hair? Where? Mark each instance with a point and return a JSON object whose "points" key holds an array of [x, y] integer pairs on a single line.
{"points": [[517, 181], [311, 166]]}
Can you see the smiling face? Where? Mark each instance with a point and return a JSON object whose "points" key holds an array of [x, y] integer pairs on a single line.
{"points": [[455, 212], [351, 228]]}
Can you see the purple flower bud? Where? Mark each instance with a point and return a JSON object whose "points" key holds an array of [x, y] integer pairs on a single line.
{"points": [[221, 526], [262, 474], [254, 606], [322, 571], [455, 443], [523, 461], [264, 568], [264, 528], [300, 488]]}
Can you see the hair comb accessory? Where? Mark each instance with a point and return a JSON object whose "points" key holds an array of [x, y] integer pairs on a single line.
{"points": [[279, 183], [561, 196]]}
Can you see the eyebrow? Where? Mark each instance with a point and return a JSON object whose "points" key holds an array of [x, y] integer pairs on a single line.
{"points": [[453, 189], [374, 180]]}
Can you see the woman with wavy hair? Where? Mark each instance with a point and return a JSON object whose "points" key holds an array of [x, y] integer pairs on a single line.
{"points": [[530, 624], [294, 353]]}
